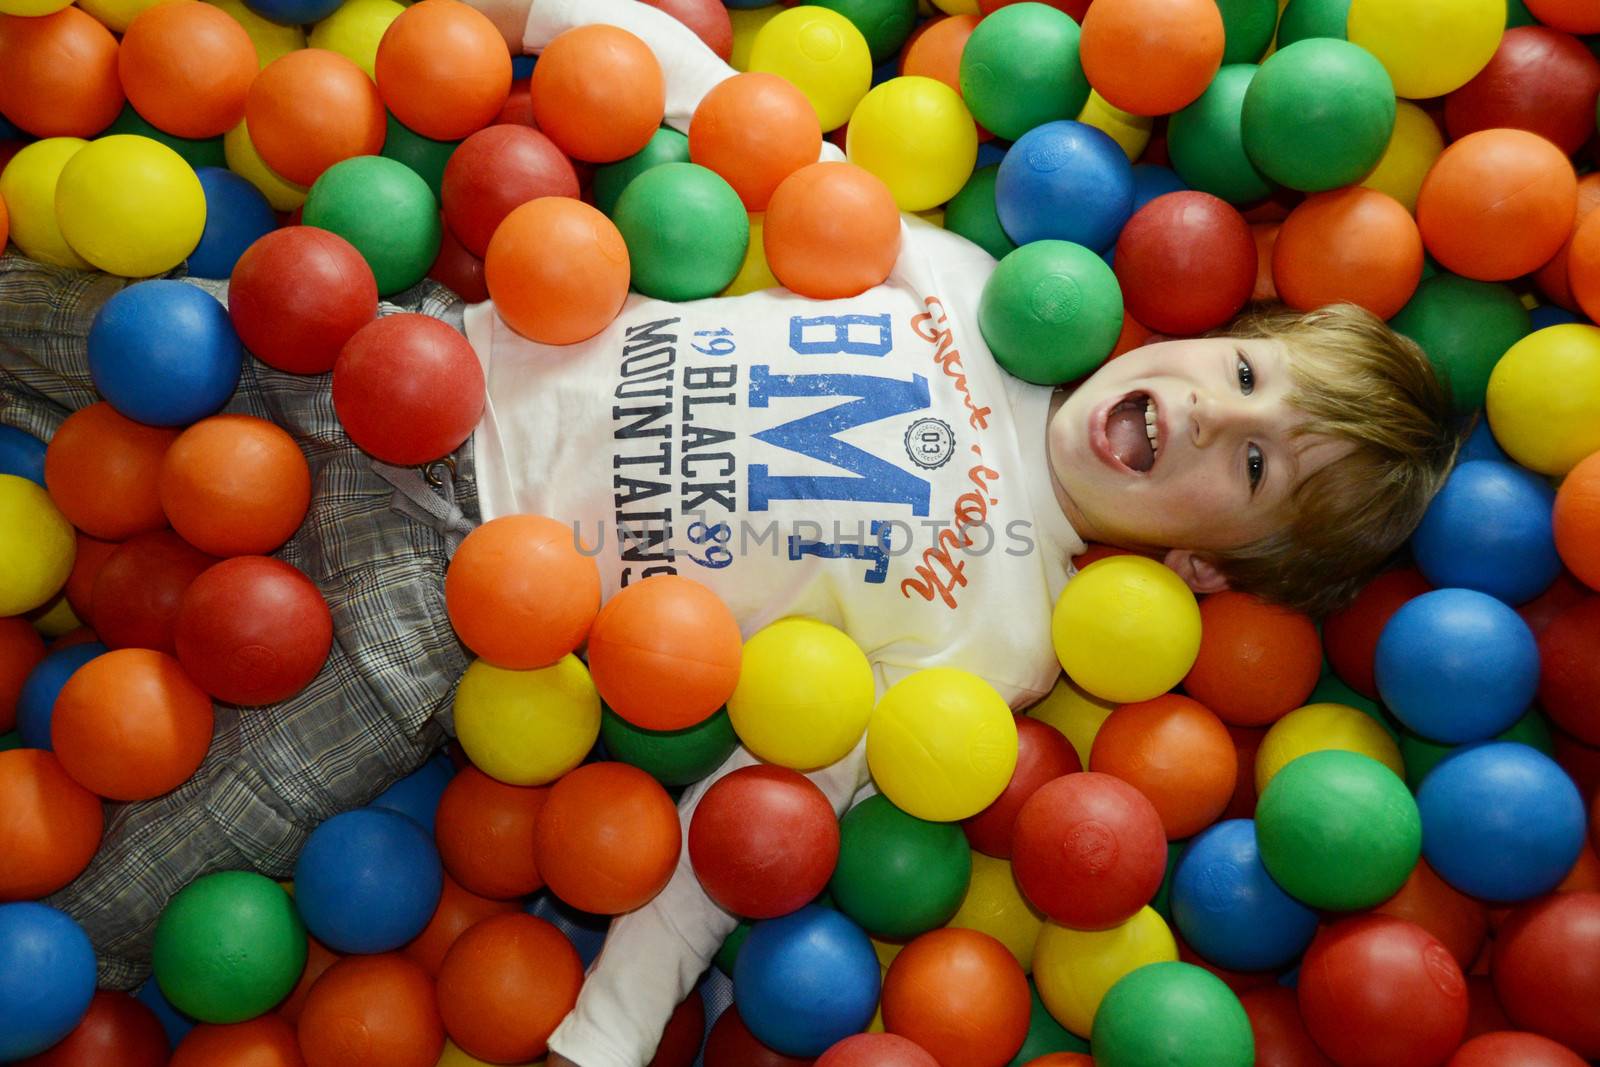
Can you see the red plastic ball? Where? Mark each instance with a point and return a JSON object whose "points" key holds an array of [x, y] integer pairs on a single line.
{"points": [[1062, 1059], [1484, 1013], [58, 74], [311, 108], [495, 171], [1280, 1032], [1352, 245], [598, 91], [1246, 743], [1177, 753], [253, 630], [117, 1031], [1381, 992], [1569, 670], [265, 1041], [608, 838], [459, 911], [707, 18], [1089, 850], [21, 649], [684, 1034], [458, 270], [235, 485], [102, 470], [408, 389], [187, 68], [764, 841], [1043, 754], [91, 555], [1546, 969], [139, 587], [50, 825], [877, 1050], [1514, 1049], [297, 295], [1186, 262], [505, 985], [1257, 661], [731, 1044], [961, 995], [485, 831], [1459, 922], [1541, 80], [372, 1011], [1350, 635], [1574, 16], [443, 69]]}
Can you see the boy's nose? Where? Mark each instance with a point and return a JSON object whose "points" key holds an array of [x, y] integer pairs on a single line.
{"points": [[1210, 417]]}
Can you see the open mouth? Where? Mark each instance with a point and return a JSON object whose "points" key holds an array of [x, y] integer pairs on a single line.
{"points": [[1133, 432]]}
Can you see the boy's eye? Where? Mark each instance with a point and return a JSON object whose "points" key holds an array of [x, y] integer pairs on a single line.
{"points": [[1247, 376], [1257, 465]]}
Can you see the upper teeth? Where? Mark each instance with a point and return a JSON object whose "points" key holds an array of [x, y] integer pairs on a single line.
{"points": [[1150, 425]]}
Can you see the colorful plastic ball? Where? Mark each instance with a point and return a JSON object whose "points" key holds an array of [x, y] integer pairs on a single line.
{"points": [[1051, 311], [806, 980], [50, 825], [265, 1041], [877, 1050], [822, 53], [408, 388], [754, 130], [608, 839], [237, 215], [671, 757], [1487, 511], [1064, 181], [1569, 680], [138, 588], [116, 1031], [297, 295], [1338, 830], [37, 546], [1186, 263], [1497, 204], [47, 976], [1230, 910], [527, 727], [731, 1044], [1313, 18], [385, 210], [496, 170], [1126, 629], [417, 794], [367, 881], [898, 876], [505, 985], [187, 68], [917, 135], [1573, 16], [960, 995], [1508, 1047], [21, 650], [763, 841], [1256, 660], [994, 905], [485, 833], [459, 910], [1074, 969], [1544, 969], [1318, 114], [1541, 80], [1464, 326], [598, 92], [229, 947], [58, 74], [972, 213], [36, 702], [804, 693], [1459, 922], [311, 109], [294, 12], [425, 156], [130, 206], [1413, 147], [1428, 51], [355, 30], [372, 1011], [831, 230], [1043, 755], [1318, 728], [1548, 430], [239, 151], [942, 744], [709, 20], [666, 145], [443, 69], [686, 231], [1119, 35], [1172, 1013], [1457, 665], [1355, 246], [1021, 69], [31, 8], [235, 485], [458, 270], [164, 353], [1177, 753], [1350, 636], [28, 187], [1576, 521], [1583, 260], [557, 270], [1381, 992]]}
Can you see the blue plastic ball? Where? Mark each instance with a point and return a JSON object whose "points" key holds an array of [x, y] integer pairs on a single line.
{"points": [[174, 1022], [1151, 180], [1456, 665], [294, 12], [989, 152], [1480, 444], [37, 701], [1228, 907], [1065, 181], [47, 977], [1501, 821], [367, 881], [21, 454], [164, 353], [1489, 529], [1546, 315], [417, 794], [806, 981], [237, 215]]}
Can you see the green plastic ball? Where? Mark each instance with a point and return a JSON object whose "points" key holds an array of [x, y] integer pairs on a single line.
{"points": [[383, 208], [1338, 830], [1517, 14], [1318, 114], [898, 875], [1164, 1014], [1045, 1035], [422, 154], [884, 23], [1464, 326], [972, 214], [1051, 311], [202, 152], [728, 955], [666, 145], [1020, 69], [671, 757], [229, 947], [1303, 19], [686, 231], [1247, 27], [10, 741], [1206, 140], [1422, 755], [1161, 903]]}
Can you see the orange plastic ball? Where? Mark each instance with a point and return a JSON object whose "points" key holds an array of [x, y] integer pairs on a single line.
{"points": [[103, 469], [117, 1031], [311, 108], [459, 911], [557, 270], [1583, 265], [1459, 922], [1555, 277], [608, 839], [58, 74], [1350, 245], [506, 985], [443, 69], [832, 230], [372, 1011], [755, 130], [665, 652], [1577, 521], [485, 832], [319, 958], [519, 592], [1174, 751], [50, 825], [235, 485], [1151, 57], [1573, 16], [92, 554], [961, 995], [1497, 204], [935, 52], [187, 67], [598, 93], [1257, 661], [21, 649], [265, 1041]]}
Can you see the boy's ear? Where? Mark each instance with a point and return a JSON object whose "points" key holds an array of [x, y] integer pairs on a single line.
{"points": [[1197, 572]]}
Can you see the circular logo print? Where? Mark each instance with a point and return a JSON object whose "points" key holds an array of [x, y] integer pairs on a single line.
{"points": [[930, 443]]}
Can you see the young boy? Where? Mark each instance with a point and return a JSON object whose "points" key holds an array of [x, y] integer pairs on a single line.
{"points": [[862, 461]]}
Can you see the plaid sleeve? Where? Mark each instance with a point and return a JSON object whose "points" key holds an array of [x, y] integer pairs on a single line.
{"points": [[377, 709]]}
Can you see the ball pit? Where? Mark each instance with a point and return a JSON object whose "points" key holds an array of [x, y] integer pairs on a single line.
{"points": [[139, 587], [994, 905], [237, 215], [387, 1000], [1413, 147], [1539, 79], [686, 231], [28, 187], [37, 546], [1187, 33], [804, 694], [1229, 910], [917, 135], [59, 77], [1320, 728], [1544, 970], [1546, 430], [527, 727], [1531, 1050], [1464, 326], [754, 130], [1186, 262], [1427, 51], [598, 93], [1177, 753], [1064, 181], [822, 53], [355, 30], [385, 210], [493, 172], [267, 1041], [1576, 520], [311, 109], [831, 230], [442, 69], [1489, 510], [877, 1050], [1206, 139], [1460, 922], [485, 834], [1141, 648], [1357, 246], [36, 701], [187, 68]]}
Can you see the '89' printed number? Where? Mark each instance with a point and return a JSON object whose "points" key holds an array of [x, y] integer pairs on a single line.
{"points": [[715, 538]]}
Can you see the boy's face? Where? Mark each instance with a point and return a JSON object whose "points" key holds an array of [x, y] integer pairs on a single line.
{"points": [[1223, 462]]}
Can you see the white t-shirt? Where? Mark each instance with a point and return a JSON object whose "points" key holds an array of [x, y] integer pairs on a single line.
{"points": [[864, 462]]}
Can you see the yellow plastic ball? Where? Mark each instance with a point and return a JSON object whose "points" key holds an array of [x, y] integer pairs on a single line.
{"points": [[1429, 48], [452, 1056], [934, 216], [917, 135], [1075, 713], [957, 7], [243, 159], [28, 186], [355, 29], [527, 727], [1413, 147], [994, 905], [130, 205], [942, 744], [1074, 969], [116, 15], [1544, 398], [56, 617], [36, 546], [754, 273], [1317, 727], [804, 694], [747, 22], [32, 8], [1126, 629], [886, 951], [822, 53], [272, 39], [1131, 132]]}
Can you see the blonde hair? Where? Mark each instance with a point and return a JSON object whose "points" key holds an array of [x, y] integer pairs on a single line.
{"points": [[1362, 383]]}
